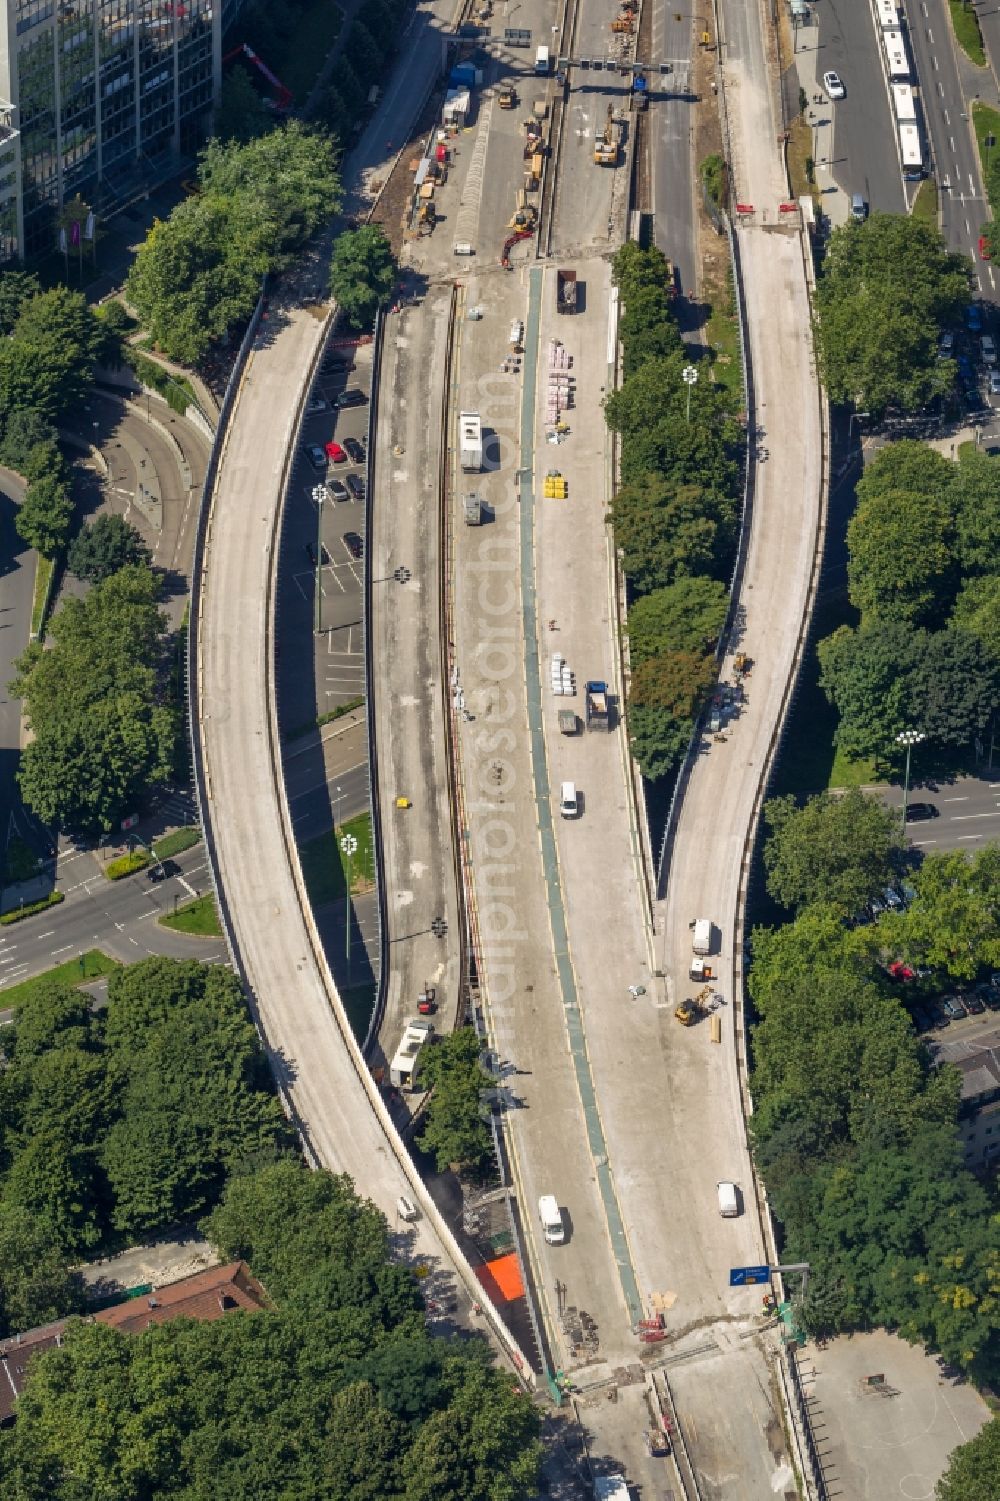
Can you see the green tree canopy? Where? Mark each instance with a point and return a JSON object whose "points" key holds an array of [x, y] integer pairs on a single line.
{"points": [[290, 175], [362, 273], [973, 1468], [45, 516], [667, 530], [47, 365], [16, 288], [107, 544], [658, 739], [910, 466], [455, 1130], [977, 500], [242, 114], [25, 430], [888, 288], [835, 849], [687, 615], [885, 675], [902, 558], [954, 922], [977, 610], [103, 729], [677, 681]]}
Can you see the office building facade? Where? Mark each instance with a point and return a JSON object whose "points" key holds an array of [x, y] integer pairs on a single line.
{"points": [[99, 99]]}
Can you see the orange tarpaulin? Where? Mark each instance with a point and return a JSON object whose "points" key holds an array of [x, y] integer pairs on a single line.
{"points": [[502, 1279]]}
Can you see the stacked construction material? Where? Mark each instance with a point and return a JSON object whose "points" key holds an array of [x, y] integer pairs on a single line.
{"points": [[563, 678], [559, 394]]}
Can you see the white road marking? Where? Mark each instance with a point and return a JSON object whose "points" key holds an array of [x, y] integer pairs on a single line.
{"points": [[940, 88], [936, 63], [947, 121], [963, 799], [65, 949], [49, 934], [951, 142], [181, 882], [930, 38], [964, 817], [972, 186]]}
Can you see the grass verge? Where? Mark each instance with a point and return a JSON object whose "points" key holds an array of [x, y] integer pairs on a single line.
{"points": [[91, 965], [986, 122], [177, 842], [965, 23], [325, 864], [127, 865], [329, 717], [198, 918], [810, 759], [30, 908], [723, 334], [801, 168], [40, 601], [925, 204]]}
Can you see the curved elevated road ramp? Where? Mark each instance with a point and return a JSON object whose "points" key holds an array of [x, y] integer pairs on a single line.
{"points": [[276, 948]]}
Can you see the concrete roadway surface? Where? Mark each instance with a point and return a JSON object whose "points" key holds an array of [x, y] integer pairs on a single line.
{"points": [[119, 917], [671, 115], [854, 139], [585, 194], [419, 868], [727, 1387]]}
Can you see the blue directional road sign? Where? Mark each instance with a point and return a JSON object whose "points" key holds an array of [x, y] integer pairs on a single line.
{"points": [[746, 1276]]}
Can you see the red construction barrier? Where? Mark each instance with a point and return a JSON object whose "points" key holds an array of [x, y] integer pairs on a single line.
{"points": [[744, 208], [788, 208]]}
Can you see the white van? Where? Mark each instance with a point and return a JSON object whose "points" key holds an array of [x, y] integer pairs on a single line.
{"points": [[702, 940], [552, 1222], [728, 1203], [569, 805]]}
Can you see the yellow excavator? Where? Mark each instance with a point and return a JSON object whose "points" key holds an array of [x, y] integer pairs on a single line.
{"points": [[606, 144]]}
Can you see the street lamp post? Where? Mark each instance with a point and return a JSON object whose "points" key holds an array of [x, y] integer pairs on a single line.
{"points": [[909, 738], [349, 846], [319, 495], [689, 376]]}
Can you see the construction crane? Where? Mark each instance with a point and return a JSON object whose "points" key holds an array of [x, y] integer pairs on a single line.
{"points": [[284, 99]]}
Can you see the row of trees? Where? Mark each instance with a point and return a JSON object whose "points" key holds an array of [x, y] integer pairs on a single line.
{"points": [[117, 1123], [50, 344], [924, 573], [675, 517], [99, 704], [371, 41], [853, 1131], [887, 290], [334, 1394]]}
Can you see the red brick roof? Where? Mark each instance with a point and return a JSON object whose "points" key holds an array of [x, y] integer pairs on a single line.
{"points": [[205, 1296]]}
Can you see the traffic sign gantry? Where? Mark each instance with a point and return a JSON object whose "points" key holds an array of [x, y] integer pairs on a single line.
{"points": [[747, 1276]]}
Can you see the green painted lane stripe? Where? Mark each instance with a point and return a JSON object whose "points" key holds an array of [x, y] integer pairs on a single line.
{"points": [[540, 771]]}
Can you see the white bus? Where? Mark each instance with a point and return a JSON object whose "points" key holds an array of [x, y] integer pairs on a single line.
{"points": [[888, 15], [911, 153], [895, 55], [904, 104], [405, 1066]]}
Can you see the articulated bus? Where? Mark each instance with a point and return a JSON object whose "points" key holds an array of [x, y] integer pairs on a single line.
{"points": [[911, 153], [904, 104], [896, 59], [888, 15]]}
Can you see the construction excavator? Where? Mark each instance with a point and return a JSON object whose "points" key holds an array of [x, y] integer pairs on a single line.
{"points": [[606, 144]]}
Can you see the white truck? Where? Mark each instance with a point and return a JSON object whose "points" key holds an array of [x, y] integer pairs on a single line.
{"points": [[542, 61], [470, 441], [701, 941], [405, 1066], [552, 1221]]}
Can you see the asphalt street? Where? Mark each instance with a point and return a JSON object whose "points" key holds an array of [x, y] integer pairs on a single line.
{"points": [[119, 917], [864, 158], [968, 811], [671, 117], [963, 208]]}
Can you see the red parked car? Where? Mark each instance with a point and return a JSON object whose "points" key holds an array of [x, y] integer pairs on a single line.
{"points": [[335, 453], [984, 249]]}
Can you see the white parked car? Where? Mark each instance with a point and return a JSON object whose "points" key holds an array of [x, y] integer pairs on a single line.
{"points": [[834, 86]]}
